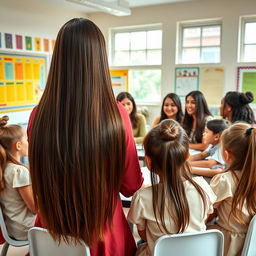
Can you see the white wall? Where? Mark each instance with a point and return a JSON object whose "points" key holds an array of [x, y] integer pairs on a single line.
{"points": [[169, 15], [32, 18]]}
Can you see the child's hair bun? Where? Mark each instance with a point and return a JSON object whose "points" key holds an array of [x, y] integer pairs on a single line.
{"points": [[246, 98], [168, 131], [3, 120]]}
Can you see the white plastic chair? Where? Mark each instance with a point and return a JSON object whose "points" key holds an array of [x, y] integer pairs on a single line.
{"points": [[249, 248], [8, 239], [41, 243], [210, 243]]}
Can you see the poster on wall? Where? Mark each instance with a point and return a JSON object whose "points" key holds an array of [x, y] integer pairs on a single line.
{"points": [[246, 80], [186, 80], [119, 79]]}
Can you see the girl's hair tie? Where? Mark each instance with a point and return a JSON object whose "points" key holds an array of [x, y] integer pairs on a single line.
{"points": [[248, 131]]}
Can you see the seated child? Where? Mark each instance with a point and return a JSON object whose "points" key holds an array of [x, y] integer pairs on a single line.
{"points": [[16, 195], [178, 203], [211, 157], [235, 188]]}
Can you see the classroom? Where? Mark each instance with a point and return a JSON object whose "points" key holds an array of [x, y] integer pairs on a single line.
{"points": [[154, 48]]}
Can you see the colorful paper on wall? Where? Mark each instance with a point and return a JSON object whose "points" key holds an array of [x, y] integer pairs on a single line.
{"points": [[8, 41], [38, 44], [46, 45], [8, 67], [28, 41], [19, 42], [249, 83]]}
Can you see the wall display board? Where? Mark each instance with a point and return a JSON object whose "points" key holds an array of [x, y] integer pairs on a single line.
{"points": [[186, 80], [119, 79], [212, 84], [22, 80], [246, 80]]}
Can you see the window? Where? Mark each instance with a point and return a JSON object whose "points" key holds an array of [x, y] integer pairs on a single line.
{"points": [[199, 43], [248, 40], [140, 51]]}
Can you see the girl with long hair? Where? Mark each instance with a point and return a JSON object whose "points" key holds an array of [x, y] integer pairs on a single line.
{"points": [[177, 203], [171, 108], [16, 195], [235, 107], [196, 116], [138, 121], [82, 153], [235, 189]]}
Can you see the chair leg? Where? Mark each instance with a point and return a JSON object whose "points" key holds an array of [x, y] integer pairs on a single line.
{"points": [[5, 249]]}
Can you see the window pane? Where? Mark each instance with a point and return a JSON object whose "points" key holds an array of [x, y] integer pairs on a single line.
{"points": [[250, 33], [250, 53], [138, 40], [122, 41], [138, 57], [210, 55], [154, 57], [211, 36], [121, 58], [145, 85], [154, 39], [191, 37], [191, 55]]}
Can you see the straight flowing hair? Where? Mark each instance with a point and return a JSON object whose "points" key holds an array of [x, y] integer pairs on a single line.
{"points": [[133, 116], [9, 134], [167, 146], [240, 141], [202, 111], [77, 141], [176, 100]]}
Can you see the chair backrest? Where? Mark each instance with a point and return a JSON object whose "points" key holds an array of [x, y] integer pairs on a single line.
{"points": [[41, 243], [210, 243], [5, 234], [249, 248]]}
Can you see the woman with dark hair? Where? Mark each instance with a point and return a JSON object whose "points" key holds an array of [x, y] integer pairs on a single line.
{"points": [[196, 116], [171, 109], [81, 149], [138, 121], [235, 107]]}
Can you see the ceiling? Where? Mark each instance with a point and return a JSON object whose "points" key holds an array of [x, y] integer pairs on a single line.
{"points": [[132, 3]]}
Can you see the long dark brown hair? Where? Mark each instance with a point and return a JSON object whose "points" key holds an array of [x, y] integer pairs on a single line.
{"points": [[133, 115], [240, 141], [9, 134], [202, 111], [167, 146], [77, 141]]}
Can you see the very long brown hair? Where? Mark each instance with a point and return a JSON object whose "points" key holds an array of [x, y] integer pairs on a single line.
{"points": [[77, 140]]}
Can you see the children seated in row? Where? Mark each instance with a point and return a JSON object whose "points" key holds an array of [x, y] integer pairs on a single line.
{"points": [[212, 156], [138, 121], [16, 196], [178, 203], [235, 188]]}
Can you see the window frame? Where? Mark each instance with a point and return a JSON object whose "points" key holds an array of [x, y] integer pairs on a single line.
{"points": [[241, 42], [196, 24]]}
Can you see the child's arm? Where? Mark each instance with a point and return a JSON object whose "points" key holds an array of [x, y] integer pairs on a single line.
{"points": [[198, 146], [207, 173], [204, 163], [199, 156], [27, 195], [142, 234]]}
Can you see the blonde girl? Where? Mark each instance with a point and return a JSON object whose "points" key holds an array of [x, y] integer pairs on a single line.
{"points": [[15, 186], [235, 189], [177, 203]]}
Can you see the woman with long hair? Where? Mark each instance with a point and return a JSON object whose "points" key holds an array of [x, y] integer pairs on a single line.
{"points": [[235, 107], [171, 109], [81, 149], [196, 116], [138, 121]]}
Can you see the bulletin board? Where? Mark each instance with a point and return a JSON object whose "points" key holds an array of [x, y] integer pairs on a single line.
{"points": [[212, 84], [246, 80], [119, 79], [22, 80]]}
